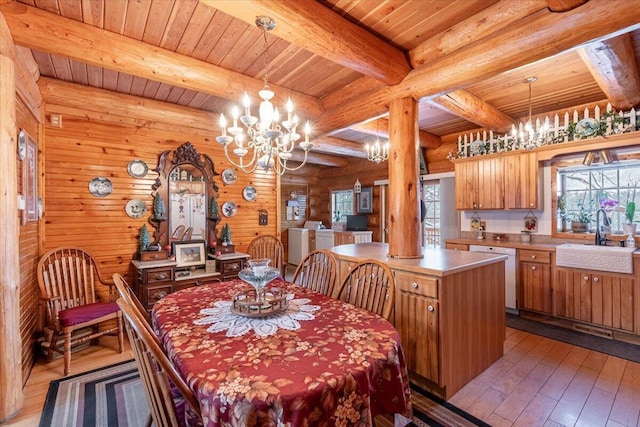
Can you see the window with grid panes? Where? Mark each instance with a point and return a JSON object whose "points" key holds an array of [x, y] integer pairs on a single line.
{"points": [[341, 205], [431, 224]]}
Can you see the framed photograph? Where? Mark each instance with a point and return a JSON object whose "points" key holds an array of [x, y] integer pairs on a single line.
{"points": [[189, 253], [365, 200], [30, 180]]}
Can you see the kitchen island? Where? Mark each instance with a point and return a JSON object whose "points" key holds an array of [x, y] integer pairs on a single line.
{"points": [[449, 309]]}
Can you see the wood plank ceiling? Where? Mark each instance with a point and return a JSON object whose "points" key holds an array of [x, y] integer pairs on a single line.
{"points": [[342, 60]]}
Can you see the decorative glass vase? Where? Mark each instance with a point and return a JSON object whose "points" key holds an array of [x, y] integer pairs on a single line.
{"points": [[258, 274]]}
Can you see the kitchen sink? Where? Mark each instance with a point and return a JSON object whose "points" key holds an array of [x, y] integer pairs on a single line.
{"points": [[592, 257]]}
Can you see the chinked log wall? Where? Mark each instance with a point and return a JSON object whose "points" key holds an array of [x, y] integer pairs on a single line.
{"points": [[101, 132]]}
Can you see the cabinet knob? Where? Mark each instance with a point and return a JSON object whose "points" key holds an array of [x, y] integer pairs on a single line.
{"points": [[595, 279], [531, 205], [585, 278], [533, 257], [414, 285], [533, 268], [430, 308], [161, 276]]}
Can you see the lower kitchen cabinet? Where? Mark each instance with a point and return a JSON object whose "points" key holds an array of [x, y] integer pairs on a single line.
{"points": [[602, 299], [535, 276]]}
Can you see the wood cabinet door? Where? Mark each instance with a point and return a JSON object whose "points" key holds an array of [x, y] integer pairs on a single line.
{"points": [[466, 184], [536, 286], [416, 319], [490, 194], [343, 238], [521, 181]]}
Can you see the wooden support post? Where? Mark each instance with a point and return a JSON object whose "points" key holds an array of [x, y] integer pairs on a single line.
{"points": [[11, 397], [404, 180]]}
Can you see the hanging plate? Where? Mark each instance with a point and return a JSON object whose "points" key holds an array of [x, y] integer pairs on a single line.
{"points": [[249, 193], [100, 186], [135, 208], [587, 127], [229, 176], [137, 168], [229, 209]]}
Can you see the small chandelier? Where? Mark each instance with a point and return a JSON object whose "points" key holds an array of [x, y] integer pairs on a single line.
{"points": [[270, 141], [377, 152], [529, 137]]}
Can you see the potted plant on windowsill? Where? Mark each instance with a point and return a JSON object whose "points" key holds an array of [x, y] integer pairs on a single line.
{"points": [[630, 211], [580, 221]]}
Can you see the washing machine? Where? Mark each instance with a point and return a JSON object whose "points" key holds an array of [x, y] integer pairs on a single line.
{"points": [[299, 241]]}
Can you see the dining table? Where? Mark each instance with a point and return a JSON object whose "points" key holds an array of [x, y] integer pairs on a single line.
{"points": [[318, 362]]}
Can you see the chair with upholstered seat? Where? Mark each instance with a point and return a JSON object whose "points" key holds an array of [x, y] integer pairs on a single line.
{"points": [[166, 391], [268, 247], [369, 285], [69, 279], [317, 272]]}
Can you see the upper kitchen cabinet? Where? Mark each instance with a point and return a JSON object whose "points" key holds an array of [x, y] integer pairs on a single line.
{"points": [[521, 181], [479, 183]]}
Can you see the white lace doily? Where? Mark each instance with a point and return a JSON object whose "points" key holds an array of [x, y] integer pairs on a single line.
{"points": [[221, 318]]}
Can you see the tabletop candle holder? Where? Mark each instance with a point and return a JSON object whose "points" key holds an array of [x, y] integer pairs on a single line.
{"points": [[258, 302]]}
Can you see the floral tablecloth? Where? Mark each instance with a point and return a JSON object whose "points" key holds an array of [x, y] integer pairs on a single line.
{"points": [[341, 368]]}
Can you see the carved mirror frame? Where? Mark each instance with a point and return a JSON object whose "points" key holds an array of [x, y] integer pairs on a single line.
{"points": [[168, 160]]}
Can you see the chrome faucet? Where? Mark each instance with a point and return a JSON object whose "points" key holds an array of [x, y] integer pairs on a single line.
{"points": [[601, 235]]}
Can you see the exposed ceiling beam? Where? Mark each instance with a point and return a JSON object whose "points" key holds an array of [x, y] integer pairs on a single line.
{"points": [[51, 33], [564, 5], [316, 28], [613, 66], [538, 36], [320, 159], [381, 128], [338, 146], [471, 108]]}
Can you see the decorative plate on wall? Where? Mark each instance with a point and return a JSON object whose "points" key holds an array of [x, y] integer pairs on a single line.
{"points": [[229, 209], [137, 168], [249, 193], [100, 186], [135, 208], [587, 127], [229, 176]]}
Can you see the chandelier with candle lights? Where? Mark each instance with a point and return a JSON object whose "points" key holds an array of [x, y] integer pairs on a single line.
{"points": [[269, 142], [527, 136], [377, 152]]}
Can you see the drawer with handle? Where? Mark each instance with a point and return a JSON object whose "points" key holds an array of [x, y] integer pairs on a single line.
{"points": [[417, 284], [542, 257], [159, 275]]}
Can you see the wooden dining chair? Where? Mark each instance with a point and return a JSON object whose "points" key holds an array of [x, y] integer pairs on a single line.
{"points": [[317, 272], [370, 285], [68, 279], [126, 293], [270, 247], [171, 401]]}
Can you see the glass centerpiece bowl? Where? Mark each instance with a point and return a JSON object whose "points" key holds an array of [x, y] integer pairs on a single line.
{"points": [[259, 303]]}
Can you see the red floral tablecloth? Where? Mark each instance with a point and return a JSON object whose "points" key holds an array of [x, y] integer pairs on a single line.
{"points": [[341, 368]]}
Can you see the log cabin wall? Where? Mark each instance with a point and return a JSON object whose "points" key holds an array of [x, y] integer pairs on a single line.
{"points": [[101, 132], [30, 321]]}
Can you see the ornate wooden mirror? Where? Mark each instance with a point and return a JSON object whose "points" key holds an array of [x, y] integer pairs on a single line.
{"points": [[183, 195]]}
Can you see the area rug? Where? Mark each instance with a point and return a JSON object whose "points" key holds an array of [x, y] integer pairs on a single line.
{"points": [[619, 349], [114, 397]]}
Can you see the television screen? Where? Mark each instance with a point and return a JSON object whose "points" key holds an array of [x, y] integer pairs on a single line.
{"points": [[356, 223]]}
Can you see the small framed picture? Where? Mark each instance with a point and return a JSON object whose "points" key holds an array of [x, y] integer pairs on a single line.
{"points": [[189, 253], [210, 266], [365, 200]]}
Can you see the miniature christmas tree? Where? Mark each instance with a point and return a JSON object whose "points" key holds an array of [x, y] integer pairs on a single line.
{"points": [[214, 210], [158, 206], [225, 234], [145, 240]]}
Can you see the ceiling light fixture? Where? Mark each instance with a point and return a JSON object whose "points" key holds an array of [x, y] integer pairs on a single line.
{"points": [[377, 152], [270, 141], [529, 137]]}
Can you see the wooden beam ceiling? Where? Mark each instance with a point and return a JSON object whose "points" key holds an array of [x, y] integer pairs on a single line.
{"points": [[380, 127], [316, 28], [613, 66], [537, 37]]}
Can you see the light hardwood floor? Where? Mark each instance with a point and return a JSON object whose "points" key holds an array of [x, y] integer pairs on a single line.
{"points": [[538, 382]]}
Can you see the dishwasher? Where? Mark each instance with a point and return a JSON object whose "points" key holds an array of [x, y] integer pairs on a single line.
{"points": [[509, 273]]}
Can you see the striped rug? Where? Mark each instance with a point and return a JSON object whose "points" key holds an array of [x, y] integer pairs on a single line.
{"points": [[114, 397]]}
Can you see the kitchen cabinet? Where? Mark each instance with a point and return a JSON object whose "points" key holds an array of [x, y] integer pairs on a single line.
{"points": [[535, 278], [350, 237], [312, 240], [344, 268], [228, 265], [521, 174], [479, 184], [416, 318], [456, 246], [602, 299]]}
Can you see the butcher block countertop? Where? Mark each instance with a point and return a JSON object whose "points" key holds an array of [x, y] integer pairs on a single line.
{"points": [[435, 261]]}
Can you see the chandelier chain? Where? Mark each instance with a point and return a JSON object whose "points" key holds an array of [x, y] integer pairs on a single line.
{"points": [[266, 57]]}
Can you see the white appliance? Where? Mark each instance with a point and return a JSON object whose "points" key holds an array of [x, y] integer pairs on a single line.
{"points": [[299, 241], [324, 237], [509, 273]]}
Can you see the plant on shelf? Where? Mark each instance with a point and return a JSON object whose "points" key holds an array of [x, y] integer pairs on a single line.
{"points": [[214, 210], [225, 235], [630, 208], [158, 207]]}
